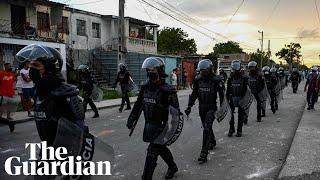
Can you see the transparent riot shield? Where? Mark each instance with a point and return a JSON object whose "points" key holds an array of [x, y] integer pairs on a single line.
{"points": [[97, 94], [278, 92], [222, 111], [132, 87], [246, 101], [264, 96], [9, 104], [172, 129]]}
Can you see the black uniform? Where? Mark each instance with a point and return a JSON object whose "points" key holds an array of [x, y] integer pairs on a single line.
{"points": [[206, 90], [154, 100], [236, 89], [295, 80], [86, 83], [224, 76], [256, 83], [123, 78], [312, 92], [271, 82]]}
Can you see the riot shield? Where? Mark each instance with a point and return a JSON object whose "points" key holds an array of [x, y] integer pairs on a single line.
{"points": [[172, 129], [9, 104], [278, 92], [132, 87], [222, 111], [70, 136], [264, 96], [246, 101], [97, 94]]}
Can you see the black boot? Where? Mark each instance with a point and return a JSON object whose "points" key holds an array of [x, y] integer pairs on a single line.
{"points": [[96, 115], [231, 131], [128, 107], [212, 144], [258, 119], [171, 171], [239, 134], [120, 109], [11, 126], [203, 157], [263, 113]]}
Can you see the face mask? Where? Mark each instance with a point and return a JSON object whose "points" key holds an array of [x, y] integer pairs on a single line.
{"points": [[34, 75], [153, 76]]}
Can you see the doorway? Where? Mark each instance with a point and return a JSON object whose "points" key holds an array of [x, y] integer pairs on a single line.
{"points": [[18, 19]]}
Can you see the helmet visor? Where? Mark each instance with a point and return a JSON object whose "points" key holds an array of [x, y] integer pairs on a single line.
{"points": [[33, 52]]}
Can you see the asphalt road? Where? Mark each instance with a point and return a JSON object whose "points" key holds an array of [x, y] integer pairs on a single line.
{"points": [[258, 154]]}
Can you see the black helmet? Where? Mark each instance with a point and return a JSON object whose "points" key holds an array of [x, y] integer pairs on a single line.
{"points": [[295, 70], [266, 69], [122, 67], [50, 57], [273, 70], [281, 69], [252, 65], [152, 62], [205, 64], [314, 69], [83, 68], [236, 65]]}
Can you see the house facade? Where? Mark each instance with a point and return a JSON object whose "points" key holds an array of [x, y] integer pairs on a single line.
{"points": [[80, 32]]}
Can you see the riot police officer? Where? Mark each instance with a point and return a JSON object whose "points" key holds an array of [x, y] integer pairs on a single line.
{"points": [[86, 83], [57, 101], [205, 88], [256, 84], [311, 85], [236, 89], [271, 82], [123, 78], [295, 79], [154, 100]]}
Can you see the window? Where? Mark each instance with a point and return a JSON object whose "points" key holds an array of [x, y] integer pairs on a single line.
{"points": [[81, 27], [96, 30], [43, 21], [64, 26]]}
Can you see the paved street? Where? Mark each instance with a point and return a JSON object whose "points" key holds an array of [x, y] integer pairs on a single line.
{"points": [[260, 153]]}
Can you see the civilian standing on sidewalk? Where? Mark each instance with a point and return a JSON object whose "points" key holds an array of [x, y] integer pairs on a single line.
{"points": [[7, 79], [27, 88]]}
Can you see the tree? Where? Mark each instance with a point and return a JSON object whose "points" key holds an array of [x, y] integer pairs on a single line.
{"points": [[291, 53], [229, 47], [266, 61], [175, 41]]}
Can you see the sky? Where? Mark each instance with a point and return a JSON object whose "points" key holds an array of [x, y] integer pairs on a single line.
{"points": [[282, 21]]}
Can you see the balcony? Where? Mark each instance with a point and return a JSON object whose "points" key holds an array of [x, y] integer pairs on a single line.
{"points": [[141, 45]]}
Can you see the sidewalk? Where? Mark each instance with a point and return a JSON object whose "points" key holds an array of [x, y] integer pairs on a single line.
{"points": [[304, 154], [20, 117]]}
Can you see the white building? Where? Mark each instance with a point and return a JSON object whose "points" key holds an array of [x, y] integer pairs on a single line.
{"points": [[75, 33]]}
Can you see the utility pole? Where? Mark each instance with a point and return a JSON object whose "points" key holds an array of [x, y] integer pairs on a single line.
{"points": [[269, 52], [121, 34], [261, 48]]}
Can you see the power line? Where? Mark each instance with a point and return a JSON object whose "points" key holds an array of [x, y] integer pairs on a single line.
{"points": [[145, 10], [317, 9], [177, 19], [238, 8], [272, 12]]}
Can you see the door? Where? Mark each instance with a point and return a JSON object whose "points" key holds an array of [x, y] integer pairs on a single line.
{"points": [[18, 19]]}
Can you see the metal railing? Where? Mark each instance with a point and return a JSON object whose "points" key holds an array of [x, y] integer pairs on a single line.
{"points": [[142, 42]]}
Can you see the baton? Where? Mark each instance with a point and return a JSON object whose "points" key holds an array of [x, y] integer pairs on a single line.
{"points": [[134, 126]]}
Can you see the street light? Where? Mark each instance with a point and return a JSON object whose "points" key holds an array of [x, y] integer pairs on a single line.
{"points": [[261, 47]]}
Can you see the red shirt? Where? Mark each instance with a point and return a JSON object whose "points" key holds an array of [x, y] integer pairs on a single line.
{"points": [[7, 83]]}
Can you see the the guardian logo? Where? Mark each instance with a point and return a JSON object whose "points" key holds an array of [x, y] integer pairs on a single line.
{"points": [[54, 162]]}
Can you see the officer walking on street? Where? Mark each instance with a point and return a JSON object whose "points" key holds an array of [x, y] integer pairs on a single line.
{"points": [[154, 100], [236, 89], [311, 85], [123, 78], [256, 84], [205, 88], [86, 83], [295, 79], [271, 82]]}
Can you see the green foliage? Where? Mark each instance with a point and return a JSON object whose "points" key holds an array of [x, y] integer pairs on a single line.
{"points": [[266, 61], [229, 47], [291, 54], [175, 41]]}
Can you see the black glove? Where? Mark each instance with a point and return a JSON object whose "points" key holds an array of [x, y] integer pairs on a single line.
{"points": [[130, 122], [188, 111]]}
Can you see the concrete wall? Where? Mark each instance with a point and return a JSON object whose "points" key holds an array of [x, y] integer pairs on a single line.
{"points": [[88, 42]]}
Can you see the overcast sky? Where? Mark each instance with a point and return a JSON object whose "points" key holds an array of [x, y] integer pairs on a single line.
{"points": [[291, 19]]}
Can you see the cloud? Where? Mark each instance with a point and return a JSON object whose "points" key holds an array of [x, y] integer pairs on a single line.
{"points": [[308, 33]]}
